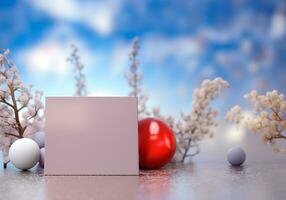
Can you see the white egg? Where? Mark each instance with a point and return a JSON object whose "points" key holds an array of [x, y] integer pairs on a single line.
{"points": [[24, 153]]}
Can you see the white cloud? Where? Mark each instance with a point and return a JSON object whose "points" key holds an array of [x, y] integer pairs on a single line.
{"points": [[184, 51], [64, 9], [278, 25], [49, 55], [46, 57], [246, 21], [119, 60], [160, 47], [99, 16], [221, 35]]}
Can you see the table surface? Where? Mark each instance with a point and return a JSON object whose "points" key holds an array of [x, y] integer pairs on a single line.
{"points": [[176, 181]]}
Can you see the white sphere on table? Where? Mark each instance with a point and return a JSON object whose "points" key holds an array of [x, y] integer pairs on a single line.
{"points": [[42, 157], [236, 156], [39, 138], [24, 153]]}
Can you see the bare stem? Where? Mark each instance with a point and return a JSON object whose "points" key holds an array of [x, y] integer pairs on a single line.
{"points": [[16, 112], [186, 150], [14, 135]]}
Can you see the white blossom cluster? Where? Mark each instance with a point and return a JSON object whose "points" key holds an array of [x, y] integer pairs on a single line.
{"points": [[79, 76], [234, 115], [268, 119], [197, 124], [134, 78], [20, 111]]}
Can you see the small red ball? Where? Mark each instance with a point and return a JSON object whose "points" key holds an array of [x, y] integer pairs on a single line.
{"points": [[157, 143]]}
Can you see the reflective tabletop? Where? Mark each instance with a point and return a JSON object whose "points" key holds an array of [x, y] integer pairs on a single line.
{"points": [[175, 181]]}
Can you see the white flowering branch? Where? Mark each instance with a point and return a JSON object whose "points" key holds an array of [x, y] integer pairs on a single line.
{"points": [[79, 76], [190, 128], [19, 109], [134, 78], [193, 127], [269, 116]]}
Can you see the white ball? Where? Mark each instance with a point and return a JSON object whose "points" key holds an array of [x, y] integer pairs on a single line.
{"points": [[42, 157], [39, 138], [24, 153], [236, 156]]}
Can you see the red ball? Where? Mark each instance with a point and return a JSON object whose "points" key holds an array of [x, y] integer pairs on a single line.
{"points": [[157, 143]]}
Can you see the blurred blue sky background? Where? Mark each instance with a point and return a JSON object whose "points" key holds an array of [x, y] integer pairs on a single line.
{"points": [[182, 43]]}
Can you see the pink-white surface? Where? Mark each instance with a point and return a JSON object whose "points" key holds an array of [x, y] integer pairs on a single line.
{"points": [[91, 136]]}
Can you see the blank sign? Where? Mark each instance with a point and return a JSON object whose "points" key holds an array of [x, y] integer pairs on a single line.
{"points": [[91, 136]]}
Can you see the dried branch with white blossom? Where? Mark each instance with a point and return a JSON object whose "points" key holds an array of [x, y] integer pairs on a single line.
{"points": [[190, 128], [79, 76], [20, 111], [134, 78], [193, 127], [269, 116]]}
